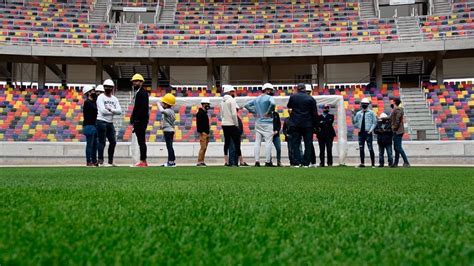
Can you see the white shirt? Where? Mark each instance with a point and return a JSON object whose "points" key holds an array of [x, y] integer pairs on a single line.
{"points": [[104, 104]]}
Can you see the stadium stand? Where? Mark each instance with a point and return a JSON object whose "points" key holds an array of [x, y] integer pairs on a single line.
{"points": [[55, 114], [53, 23], [247, 23], [452, 107], [458, 24]]}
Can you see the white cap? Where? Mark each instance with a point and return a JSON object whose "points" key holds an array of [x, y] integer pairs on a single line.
{"points": [[365, 100], [100, 88], [109, 82], [228, 88], [307, 87], [267, 86], [205, 100], [383, 115], [87, 89]]}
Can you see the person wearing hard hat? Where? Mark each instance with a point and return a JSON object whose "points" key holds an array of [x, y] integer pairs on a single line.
{"points": [[203, 129], [262, 107], [302, 121], [167, 125], [326, 134], [99, 90], [396, 118], [140, 116], [108, 107], [89, 111], [384, 133], [365, 120], [230, 122]]}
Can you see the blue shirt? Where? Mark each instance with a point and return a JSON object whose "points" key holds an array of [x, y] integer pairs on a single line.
{"points": [[262, 107], [370, 120]]}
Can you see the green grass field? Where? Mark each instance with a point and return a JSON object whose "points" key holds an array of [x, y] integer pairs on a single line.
{"points": [[236, 216]]}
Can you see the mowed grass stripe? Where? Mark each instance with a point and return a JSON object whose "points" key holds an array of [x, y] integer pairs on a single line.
{"points": [[218, 215]]}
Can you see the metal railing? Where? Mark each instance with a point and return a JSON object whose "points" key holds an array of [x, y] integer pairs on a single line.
{"points": [[109, 11], [158, 11]]}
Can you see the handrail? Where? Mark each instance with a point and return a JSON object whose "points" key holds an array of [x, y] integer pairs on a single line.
{"points": [[377, 8], [157, 12], [109, 9]]}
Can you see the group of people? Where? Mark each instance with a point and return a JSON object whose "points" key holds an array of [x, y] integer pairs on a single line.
{"points": [[303, 123], [389, 131], [100, 108]]}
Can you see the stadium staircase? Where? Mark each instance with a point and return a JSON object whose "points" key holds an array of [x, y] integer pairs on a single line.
{"points": [[409, 29], [366, 10], [124, 98], [98, 14], [442, 7], [168, 12], [127, 34], [417, 114]]}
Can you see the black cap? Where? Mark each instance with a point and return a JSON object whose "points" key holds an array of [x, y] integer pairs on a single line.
{"points": [[301, 86]]}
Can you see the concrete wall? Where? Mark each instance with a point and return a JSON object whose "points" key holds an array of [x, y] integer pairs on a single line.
{"points": [[76, 73], [195, 75], [347, 73], [37, 153]]}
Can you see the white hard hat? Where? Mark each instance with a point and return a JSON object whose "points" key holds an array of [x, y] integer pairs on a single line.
{"points": [[109, 82], [205, 100], [307, 87], [365, 100], [87, 89], [268, 86], [228, 88], [383, 115], [100, 88]]}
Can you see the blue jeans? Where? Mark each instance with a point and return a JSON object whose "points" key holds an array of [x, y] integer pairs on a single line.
{"points": [[91, 143], [169, 145], [397, 145], [382, 149], [364, 137], [106, 130], [277, 144]]}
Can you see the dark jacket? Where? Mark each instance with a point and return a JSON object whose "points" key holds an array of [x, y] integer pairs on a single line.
{"points": [[141, 109], [241, 126], [384, 133], [325, 128], [304, 110], [89, 111], [276, 122], [286, 128], [397, 121], [202, 121]]}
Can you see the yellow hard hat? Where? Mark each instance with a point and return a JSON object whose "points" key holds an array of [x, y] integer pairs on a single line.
{"points": [[169, 99], [138, 77]]}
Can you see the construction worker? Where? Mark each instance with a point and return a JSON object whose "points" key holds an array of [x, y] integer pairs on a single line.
{"points": [[384, 139], [108, 106], [140, 116], [263, 107], [365, 120], [203, 129], [230, 121], [99, 90], [89, 111], [167, 125]]}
